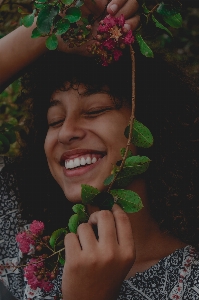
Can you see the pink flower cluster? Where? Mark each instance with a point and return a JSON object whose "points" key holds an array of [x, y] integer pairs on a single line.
{"points": [[27, 239], [37, 275], [37, 227], [111, 38]]}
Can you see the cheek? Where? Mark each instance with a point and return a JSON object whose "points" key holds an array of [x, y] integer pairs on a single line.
{"points": [[49, 143]]}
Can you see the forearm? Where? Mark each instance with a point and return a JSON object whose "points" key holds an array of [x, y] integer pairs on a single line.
{"points": [[17, 50]]}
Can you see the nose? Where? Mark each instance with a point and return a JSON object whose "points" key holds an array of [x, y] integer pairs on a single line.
{"points": [[71, 130]]}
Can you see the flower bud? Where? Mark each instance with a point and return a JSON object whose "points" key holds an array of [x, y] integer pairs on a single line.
{"points": [[88, 27], [122, 46], [98, 37]]}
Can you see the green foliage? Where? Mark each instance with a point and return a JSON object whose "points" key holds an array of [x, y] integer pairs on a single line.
{"points": [[141, 135], [144, 48], [28, 20], [73, 14], [159, 25], [88, 193], [62, 26], [52, 42], [80, 210], [45, 18], [35, 33], [73, 223], [57, 236], [109, 179], [103, 200], [134, 165], [129, 201]]}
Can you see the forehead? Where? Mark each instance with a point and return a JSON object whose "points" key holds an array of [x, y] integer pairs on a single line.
{"points": [[70, 94]]}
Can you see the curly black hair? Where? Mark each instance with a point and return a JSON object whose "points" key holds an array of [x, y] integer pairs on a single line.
{"points": [[164, 103]]}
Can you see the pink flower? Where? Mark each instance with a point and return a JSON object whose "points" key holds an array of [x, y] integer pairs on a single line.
{"points": [[37, 227], [117, 54], [25, 241], [34, 279], [121, 20], [109, 44], [129, 38]]}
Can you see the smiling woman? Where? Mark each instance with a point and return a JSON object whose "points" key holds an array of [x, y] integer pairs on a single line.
{"points": [[78, 114], [82, 115]]}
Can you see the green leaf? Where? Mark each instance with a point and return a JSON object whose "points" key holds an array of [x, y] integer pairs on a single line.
{"points": [[4, 144], [62, 26], [41, 1], [128, 200], [168, 9], [134, 165], [159, 25], [104, 200], [56, 235], [39, 5], [141, 135], [61, 260], [73, 14], [88, 193], [67, 2], [73, 223], [35, 33], [46, 17], [28, 20], [79, 3], [11, 136], [80, 210], [145, 9], [52, 42], [171, 13], [174, 21], [123, 150], [144, 48], [109, 179]]}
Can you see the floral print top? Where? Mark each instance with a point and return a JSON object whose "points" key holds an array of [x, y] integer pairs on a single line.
{"points": [[175, 277]]}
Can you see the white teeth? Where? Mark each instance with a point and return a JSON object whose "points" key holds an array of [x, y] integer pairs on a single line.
{"points": [[94, 159], [71, 164], [83, 161], [76, 162], [88, 160]]}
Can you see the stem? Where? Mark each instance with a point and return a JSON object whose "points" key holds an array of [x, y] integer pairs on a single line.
{"points": [[131, 121]]}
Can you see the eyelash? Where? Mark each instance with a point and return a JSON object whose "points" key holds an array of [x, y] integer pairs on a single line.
{"points": [[98, 112], [90, 114], [56, 123]]}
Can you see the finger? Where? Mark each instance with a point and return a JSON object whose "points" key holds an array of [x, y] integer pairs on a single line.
{"points": [[126, 7], [123, 227], [86, 236], [72, 245], [132, 23], [106, 226]]}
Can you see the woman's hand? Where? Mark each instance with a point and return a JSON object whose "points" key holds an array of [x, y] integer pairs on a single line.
{"points": [[95, 268], [97, 8]]}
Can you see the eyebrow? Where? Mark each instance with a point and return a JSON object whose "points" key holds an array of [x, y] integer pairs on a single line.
{"points": [[54, 102]]}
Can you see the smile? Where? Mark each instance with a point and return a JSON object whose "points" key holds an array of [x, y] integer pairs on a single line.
{"points": [[82, 160]]}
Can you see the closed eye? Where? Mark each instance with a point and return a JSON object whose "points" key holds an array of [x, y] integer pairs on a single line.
{"points": [[56, 124], [95, 112]]}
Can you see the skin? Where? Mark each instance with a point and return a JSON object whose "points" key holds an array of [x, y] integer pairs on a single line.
{"points": [[20, 44], [98, 266]]}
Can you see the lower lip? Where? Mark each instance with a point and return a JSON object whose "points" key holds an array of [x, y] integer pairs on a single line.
{"points": [[80, 171]]}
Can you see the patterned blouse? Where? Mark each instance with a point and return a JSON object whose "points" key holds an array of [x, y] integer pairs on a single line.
{"points": [[175, 277]]}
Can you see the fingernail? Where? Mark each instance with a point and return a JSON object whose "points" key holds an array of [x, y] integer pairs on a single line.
{"points": [[127, 26], [114, 7]]}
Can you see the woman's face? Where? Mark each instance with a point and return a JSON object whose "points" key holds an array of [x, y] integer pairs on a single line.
{"points": [[84, 139]]}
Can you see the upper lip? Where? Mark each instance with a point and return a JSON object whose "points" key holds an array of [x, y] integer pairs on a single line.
{"points": [[70, 154]]}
